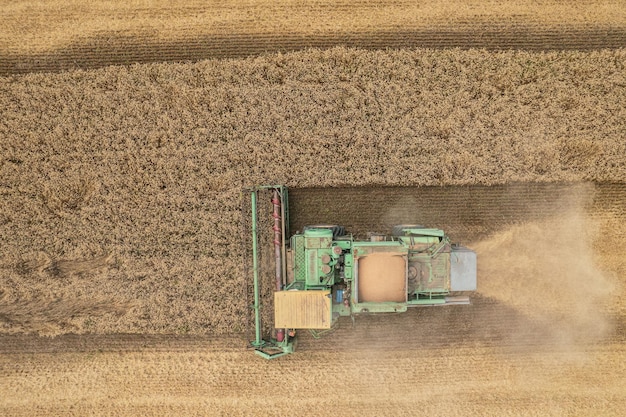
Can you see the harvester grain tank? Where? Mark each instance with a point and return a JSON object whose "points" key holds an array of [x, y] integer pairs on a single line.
{"points": [[323, 273]]}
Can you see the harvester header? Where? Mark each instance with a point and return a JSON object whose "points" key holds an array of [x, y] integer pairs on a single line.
{"points": [[323, 273]]}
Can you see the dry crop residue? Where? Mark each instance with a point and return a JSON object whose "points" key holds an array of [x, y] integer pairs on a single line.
{"points": [[455, 378], [54, 36], [120, 203]]}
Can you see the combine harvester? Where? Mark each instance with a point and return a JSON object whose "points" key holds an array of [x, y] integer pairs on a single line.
{"points": [[323, 273]]}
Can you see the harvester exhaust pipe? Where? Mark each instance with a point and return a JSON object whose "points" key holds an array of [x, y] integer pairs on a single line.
{"points": [[280, 333]]}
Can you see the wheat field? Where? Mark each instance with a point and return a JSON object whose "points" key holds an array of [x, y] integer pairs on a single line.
{"points": [[134, 174], [128, 131]]}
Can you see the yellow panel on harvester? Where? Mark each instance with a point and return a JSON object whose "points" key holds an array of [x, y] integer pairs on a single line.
{"points": [[302, 309]]}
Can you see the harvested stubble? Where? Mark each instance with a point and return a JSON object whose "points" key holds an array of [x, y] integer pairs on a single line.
{"points": [[56, 36], [139, 168]]}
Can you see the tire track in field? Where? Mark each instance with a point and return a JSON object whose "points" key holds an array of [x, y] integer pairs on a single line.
{"points": [[474, 214], [467, 213], [128, 48]]}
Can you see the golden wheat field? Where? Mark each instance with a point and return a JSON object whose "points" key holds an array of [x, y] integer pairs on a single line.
{"points": [[129, 129]]}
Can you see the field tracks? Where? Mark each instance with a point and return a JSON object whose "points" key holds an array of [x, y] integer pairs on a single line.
{"points": [[43, 38]]}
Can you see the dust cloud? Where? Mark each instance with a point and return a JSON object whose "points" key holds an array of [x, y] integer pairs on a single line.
{"points": [[547, 271], [402, 211]]}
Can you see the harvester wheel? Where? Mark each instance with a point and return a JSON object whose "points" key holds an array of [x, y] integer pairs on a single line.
{"points": [[398, 230], [337, 230]]}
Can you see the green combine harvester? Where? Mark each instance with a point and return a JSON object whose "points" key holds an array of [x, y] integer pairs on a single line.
{"points": [[323, 273]]}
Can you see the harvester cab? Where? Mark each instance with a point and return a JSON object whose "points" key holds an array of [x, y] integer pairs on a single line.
{"points": [[323, 273]]}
